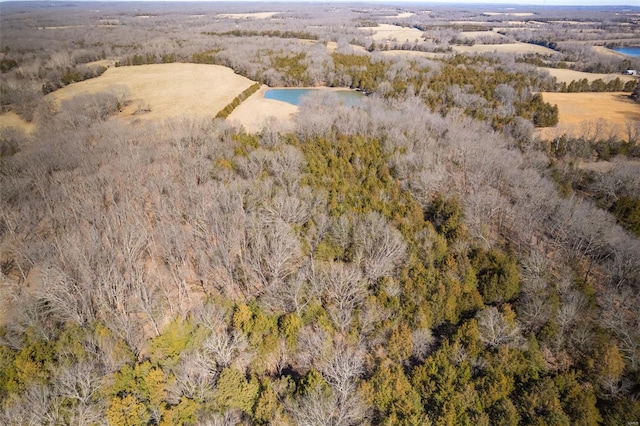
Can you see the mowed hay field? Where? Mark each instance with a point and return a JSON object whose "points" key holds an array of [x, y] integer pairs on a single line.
{"points": [[581, 113], [167, 90]]}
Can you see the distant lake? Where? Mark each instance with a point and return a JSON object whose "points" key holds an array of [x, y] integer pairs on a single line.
{"points": [[630, 51], [294, 96]]}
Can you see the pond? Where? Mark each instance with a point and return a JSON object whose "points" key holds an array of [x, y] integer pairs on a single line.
{"points": [[294, 96], [630, 51]]}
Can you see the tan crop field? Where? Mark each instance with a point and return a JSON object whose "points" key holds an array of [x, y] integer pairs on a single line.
{"points": [[567, 76], [581, 113], [166, 90]]}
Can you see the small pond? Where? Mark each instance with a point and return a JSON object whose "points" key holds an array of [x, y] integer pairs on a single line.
{"points": [[294, 96], [630, 51]]}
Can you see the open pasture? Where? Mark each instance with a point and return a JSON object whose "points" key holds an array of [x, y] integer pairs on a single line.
{"points": [[166, 90], [567, 76], [581, 113], [388, 32]]}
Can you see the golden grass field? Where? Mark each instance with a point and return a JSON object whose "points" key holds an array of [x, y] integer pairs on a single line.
{"points": [[567, 76], [582, 114], [169, 90], [505, 48], [388, 32]]}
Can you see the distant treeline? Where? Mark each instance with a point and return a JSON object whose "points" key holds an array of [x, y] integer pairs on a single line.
{"points": [[303, 35], [72, 75], [146, 59]]}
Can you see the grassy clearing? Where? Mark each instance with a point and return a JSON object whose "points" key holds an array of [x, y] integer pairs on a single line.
{"points": [[11, 119], [582, 114], [387, 32], [167, 90], [567, 76], [505, 48]]}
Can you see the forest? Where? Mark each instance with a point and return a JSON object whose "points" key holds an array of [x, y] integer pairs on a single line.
{"points": [[425, 258]]}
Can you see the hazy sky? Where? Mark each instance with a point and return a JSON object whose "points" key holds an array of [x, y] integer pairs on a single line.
{"points": [[524, 2], [501, 3]]}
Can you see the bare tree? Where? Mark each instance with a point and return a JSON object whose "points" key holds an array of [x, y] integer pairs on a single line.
{"points": [[225, 348], [66, 298], [495, 330], [342, 288], [292, 296], [619, 314], [196, 375], [321, 407], [81, 383], [37, 405], [379, 247], [272, 251]]}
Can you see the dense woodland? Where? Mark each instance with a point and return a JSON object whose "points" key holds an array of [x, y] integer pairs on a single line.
{"points": [[421, 259]]}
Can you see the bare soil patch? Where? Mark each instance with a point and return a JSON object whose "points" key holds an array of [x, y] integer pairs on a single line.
{"points": [[505, 48], [585, 114], [167, 90], [567, 76]]}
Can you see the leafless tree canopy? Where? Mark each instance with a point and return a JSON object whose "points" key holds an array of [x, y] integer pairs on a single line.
{"points": [[422, 258]]}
